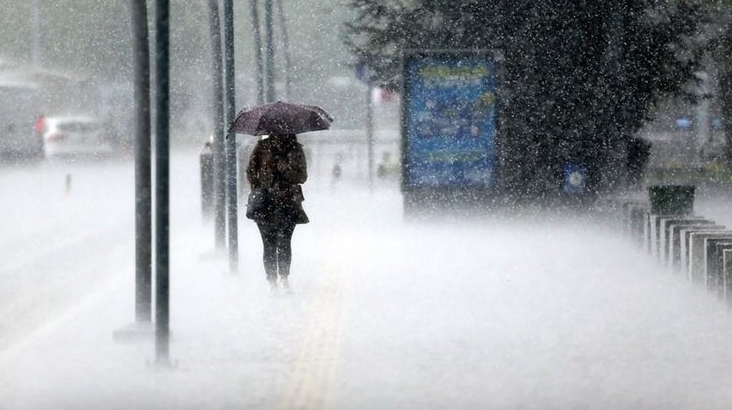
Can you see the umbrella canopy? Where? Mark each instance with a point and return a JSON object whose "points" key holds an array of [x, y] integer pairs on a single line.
{"points": [[281, 118]]}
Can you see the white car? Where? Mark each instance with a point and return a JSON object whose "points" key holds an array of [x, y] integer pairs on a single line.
{"points": [[75, 136]]}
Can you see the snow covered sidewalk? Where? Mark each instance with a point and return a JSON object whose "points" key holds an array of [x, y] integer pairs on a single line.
{"points": [[384, 313]]}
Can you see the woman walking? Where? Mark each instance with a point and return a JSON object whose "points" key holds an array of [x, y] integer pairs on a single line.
{"points": [[276, 169]]}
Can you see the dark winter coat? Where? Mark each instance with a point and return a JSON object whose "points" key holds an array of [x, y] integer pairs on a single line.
{"points": [[277, 165]]}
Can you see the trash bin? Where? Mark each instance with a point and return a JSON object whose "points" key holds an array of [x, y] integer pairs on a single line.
{"points": [[206, 162], [672, 199]]}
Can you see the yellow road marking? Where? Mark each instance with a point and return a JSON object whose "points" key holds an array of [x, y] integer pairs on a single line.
{"points": [[313, 378]]}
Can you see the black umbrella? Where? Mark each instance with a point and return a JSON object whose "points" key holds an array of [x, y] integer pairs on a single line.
{"points": [[281, 118]]}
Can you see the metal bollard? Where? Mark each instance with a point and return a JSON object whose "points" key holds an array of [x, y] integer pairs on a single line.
{"points": [[666, 201], [727, 276], [698, 253], [206, 163], [673, 251], [638, 223], [715, 248]]}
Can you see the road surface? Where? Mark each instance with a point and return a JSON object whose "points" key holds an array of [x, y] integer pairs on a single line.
{"points": [[532, 312]]}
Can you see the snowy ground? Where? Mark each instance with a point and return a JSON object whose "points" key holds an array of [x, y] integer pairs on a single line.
{"points": [[537, 313]]}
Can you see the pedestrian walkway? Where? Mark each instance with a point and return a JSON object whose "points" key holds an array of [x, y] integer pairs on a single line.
{"points": [[497, 312]]}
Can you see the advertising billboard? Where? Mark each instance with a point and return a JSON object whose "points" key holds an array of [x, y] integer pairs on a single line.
{"points": [[449, 120]]}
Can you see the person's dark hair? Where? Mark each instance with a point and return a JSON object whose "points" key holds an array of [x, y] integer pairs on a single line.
{"points": [[285, 139]]}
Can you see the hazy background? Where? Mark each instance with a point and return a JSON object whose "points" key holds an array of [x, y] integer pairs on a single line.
{"points": [[89, 43]]}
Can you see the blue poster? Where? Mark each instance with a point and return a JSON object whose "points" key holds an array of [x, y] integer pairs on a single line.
{"points": [[450, 120]]}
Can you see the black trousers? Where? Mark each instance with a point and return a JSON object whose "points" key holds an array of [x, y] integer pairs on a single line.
{"points": [[277, 247]]}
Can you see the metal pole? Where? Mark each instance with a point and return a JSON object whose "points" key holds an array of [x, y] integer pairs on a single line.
{"points": [[218, 123], [231, 168], [143, 177], [36, 52], [702, 124], [370, 133], [615, 172], [285, 48], [254, 9], [269, 51], [162, 188]]}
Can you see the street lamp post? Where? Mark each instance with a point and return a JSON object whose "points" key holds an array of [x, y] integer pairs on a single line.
{"points": [[231, 168], [37, 35], [143, 177], [142, 327], [162, 186], [370, 131], [254, 10], [219, 165], [269, 50], [285, 48]]}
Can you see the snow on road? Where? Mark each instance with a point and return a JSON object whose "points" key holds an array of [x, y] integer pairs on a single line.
{"points": [[63, 224], [537, 313]]}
